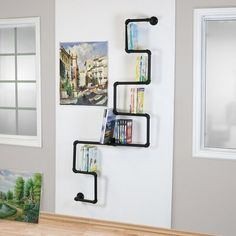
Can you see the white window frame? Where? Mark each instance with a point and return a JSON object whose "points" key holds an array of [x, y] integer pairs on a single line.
{"points": [[199, 150], [23, 140]]}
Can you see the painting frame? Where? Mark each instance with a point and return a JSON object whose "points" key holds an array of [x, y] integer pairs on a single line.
{"points": [[84, 73]]}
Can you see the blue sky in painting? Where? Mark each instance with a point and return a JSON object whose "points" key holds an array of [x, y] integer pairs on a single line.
{"points": [[8, 179], [86, 50]]}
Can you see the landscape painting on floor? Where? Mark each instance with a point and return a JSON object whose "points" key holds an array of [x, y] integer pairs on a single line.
{"points": [[20, 194], [84, 73]]}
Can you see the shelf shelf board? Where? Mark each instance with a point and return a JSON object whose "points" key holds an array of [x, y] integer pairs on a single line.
{"points": [[108, 144], [138, 51], [131, 82], [131, 114]]}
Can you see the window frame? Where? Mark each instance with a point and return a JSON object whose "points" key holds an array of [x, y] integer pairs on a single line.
{"points": [[24, 140], [199, 80]]}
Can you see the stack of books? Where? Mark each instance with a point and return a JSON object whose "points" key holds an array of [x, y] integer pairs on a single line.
{"points": [[115, 130], [137, 100], [88, 158], [123, 131]]}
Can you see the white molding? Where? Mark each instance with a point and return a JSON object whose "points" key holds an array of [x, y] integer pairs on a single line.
{"points": [[198, 149], [32, 141]]}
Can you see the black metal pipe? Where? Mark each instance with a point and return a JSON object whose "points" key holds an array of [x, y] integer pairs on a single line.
{"points": [[80, 196]]}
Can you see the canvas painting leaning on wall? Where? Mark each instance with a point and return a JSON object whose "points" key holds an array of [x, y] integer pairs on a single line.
{"points": [[20, 194]]}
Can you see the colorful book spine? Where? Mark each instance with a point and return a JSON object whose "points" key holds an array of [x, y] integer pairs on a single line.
{"points": [[123, 131], [137, 74], [141, 68], [92, 167], [140, 100], [133, 100], [129, 125]]}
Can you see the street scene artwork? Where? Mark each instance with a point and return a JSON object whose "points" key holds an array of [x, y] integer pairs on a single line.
{"points": [[84, 73], [20, 194]]}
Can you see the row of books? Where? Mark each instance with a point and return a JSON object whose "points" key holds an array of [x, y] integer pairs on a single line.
{"points": [[115, 130], [88, 158], [141, 68], [137, 100], [123, 131]]}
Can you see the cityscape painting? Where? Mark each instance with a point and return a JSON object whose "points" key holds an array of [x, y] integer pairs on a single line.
{"points": [[84, 73], [20, 194]]}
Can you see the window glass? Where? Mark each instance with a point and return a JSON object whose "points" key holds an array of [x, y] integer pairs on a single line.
{"points": [[7, 42]]}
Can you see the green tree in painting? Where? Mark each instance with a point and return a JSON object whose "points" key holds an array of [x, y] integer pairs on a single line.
{"points": [[32, 193], [3, 196], [9, 195], [29, 190], [19, 189], [37, 186]]}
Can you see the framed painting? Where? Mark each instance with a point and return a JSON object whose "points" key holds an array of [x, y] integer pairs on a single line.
{"points": [[84, 73]]}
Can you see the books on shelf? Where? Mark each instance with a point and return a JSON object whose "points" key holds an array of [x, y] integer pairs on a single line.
{"points": [[116, 130], [132, 36], [137, 100], [123, 131], [107, 126], [141, 68], [88, 158]]}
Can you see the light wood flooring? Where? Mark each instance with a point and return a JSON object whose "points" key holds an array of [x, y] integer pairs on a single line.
{"points": [[58, 225]]}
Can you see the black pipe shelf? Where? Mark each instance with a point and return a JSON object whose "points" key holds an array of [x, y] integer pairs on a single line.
{"points": [[80, 196], [153, 21]]}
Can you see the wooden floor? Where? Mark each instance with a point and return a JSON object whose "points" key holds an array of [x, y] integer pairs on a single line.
{"points": [[57, 225]]}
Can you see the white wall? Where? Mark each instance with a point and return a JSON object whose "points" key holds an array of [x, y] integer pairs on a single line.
{"points": [[135, 184]]}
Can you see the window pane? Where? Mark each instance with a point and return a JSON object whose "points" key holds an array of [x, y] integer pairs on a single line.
{"points": [[27, 124], [26, 39], [27, 95], [7, 121], [26, 68], [220, 123], [7, 68], [7, 43], [7, 94]]}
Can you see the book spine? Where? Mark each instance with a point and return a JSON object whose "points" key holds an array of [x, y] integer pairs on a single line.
{"points": [[118, 131], [137, 77], [132, 100], [140, 100], [135, 101], [92, 159], [81, 156], [125, 127], [140, 68], [143, 69], [85, 159], [129, 131], [131, 46]]}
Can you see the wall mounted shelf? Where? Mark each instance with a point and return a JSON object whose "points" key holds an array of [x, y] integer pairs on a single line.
{"points": [[153, 21], [80, 196]]}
